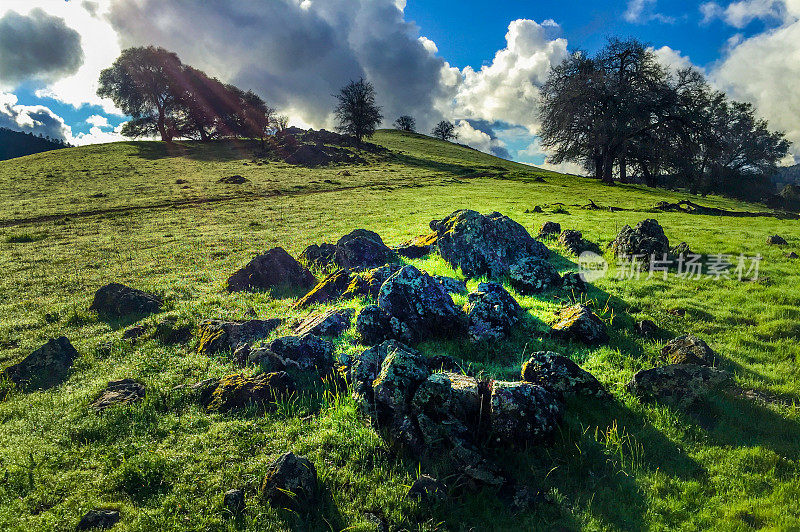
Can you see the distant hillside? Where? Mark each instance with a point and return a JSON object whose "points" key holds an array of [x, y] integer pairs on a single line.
{"points": [[789, 175], [16, 144]]}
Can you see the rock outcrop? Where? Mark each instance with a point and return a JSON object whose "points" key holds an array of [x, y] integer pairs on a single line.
{"points": [[645, 240], [491, 312], [274, 269], [561, 376]]}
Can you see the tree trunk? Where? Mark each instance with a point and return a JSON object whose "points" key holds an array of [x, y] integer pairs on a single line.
{"points": [[162, 125], [598, 166], [648, 177], [623, 170], [608, 168]]}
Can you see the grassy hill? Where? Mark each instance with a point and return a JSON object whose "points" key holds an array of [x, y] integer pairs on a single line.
{"points": [[73, 220]]}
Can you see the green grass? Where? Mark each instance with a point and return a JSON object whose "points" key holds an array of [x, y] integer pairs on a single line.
{"points": [[115, 213]]}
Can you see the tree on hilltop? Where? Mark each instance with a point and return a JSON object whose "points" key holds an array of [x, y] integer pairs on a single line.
{"points": [[357, 113], [445, 130], [406, 123]]}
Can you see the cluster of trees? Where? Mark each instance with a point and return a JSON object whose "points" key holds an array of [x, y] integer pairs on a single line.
{"points": [[18, 144], [164, 97], [444, 130], [622, 112]]}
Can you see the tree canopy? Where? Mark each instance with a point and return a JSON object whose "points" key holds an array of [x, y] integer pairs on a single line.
{"points": [[357, 113], [406, 123], [445, 130]]}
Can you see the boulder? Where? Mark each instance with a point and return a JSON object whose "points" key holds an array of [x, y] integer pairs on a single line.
{"points": [[533, 276], [581, 324], [402, 371], [373, 325], [98, 520], [573, 282], [331, 322], [46, 367], [233, 501], [367, 365], [329, 289], [448, 408], [792, 255], [119, 301], [121, 392], [549, 229], [307, 352], [523, 413], [679, 385], [319, 256], [216, 336], [647, 328], [689, 349], [427, 489], [561, 376], [290, 482], [308, 156], [491, 312], [451, 285], [368, 284], [417, 247], [233, 180], [574, 241], [362, 250], [484, 245], [645, 240], [239, 391], [681, 250], [418, 307], [274, 269], [776, 240], [132, 333]]}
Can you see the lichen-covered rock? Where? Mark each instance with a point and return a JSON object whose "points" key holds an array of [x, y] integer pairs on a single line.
{"points": [[368, 284], [373, 325], [573, 282], [402, 371], [681, 250], [329, 289], [331, 322], [233, 501], [362, 250], [549, 229], [417, 247], [418, 307], [491, 312], [46, 367], [427, 489], [581, 324], [118, 301], [679, 385], [645, 240], [307, 352], [533, 276], [290, 482], [274, 269], [777, 240], [448, 408], [574, 241], [523, 413], [484, 245], [321, 256], [216, 336], [561, 376], [239, 391], [121, 392], [689, 349], [451, 285], [366, 367]]}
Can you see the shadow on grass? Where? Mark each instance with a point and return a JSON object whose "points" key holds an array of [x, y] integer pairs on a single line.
{"points": [[218, 151]]}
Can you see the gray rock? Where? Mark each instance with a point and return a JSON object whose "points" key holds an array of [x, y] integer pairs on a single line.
{"points": [[291, 482], [46, 367], [647, 328], [533, 276], [118, 301], [581, 324], [373, 325], [307, 352], [523, 413], [240, 391], [549, 229], [274, 269], [321, 256], [574, 241], [331, 322], [427, 489], [679, 385], [451, 285], [362, 250], [233, 501], [573, 282], [491, 312], [368, 284], [561, 376], [645, 240], [121, 392], [689, 349], [215, 336], [98, 519]]}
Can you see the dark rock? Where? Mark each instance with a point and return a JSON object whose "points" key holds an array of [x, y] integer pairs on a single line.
{"points": [[319, 256], [99, 519], [573, 282], [451, 285], [581, 324], [329, 322], [362, 250], [689, 349], [523, 413], [373, 325], [273, 269], [233, 501], [574, 242], [776, 240], [417, 247], [216, 335], [239, 391], [309, 156], [134, 332], [427, 489], [645, 240], [681, 250], [792, 255], [533, 276], [680, 385], [647, 328], [561, 376], [448, 409], [549, 229], [368, 284], [170, 331], [329, 289], [307, 352], [491, 312], [290, 482], [484, 245], [366, 367], [46, 367], [122, 392], [233, 180], [402, 371], [119, 301], [418, 307]]}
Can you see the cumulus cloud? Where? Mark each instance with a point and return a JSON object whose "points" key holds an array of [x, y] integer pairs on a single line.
{"points": [[740, 14], [98, 121], [643, 11], [672, 60], [36, 119], [480, 134], [37, 46]]}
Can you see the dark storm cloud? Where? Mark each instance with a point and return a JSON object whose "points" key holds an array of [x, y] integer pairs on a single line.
{"points": [[37, 46], [294, 54]]}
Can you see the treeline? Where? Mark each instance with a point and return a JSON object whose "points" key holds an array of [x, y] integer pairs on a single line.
{"points": [[166, 98], [623, 115], [18, 144]]}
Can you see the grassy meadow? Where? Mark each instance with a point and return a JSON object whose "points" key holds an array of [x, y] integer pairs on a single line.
{"points": [[73, 220]]}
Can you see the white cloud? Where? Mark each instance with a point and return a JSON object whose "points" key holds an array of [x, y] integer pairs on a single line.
{"points": [[36, 119], [672, 59], [98, 121], [643, 11], [741, 13], [480, 140]]}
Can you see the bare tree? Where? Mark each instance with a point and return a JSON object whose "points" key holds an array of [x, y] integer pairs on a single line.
{"points": [[357, 113], [406, 123], [445, 130]]}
